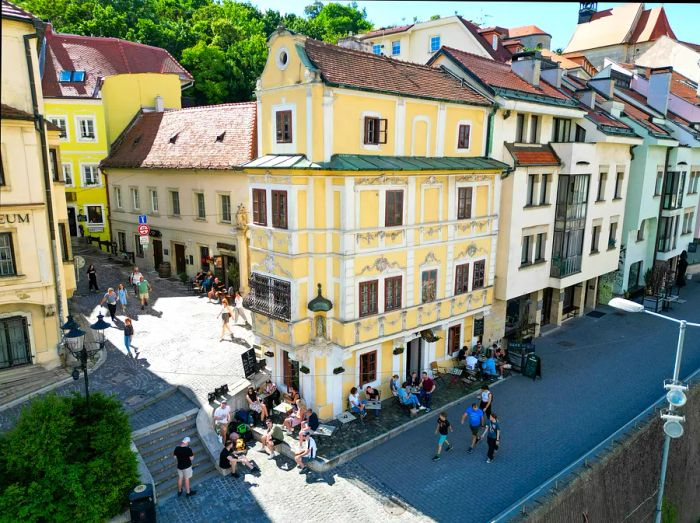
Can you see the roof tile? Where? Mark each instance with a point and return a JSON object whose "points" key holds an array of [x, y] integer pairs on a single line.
{"points": [[530, 155], [208, 137], [347, 67], [10, 10]]}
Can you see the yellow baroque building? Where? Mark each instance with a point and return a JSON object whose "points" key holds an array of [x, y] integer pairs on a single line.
{"points": [[94, 87], [373, 218], [36, 269]]}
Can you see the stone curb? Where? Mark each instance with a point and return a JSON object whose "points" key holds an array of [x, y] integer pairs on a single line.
{"points": [[323, 465], [49, 388]]}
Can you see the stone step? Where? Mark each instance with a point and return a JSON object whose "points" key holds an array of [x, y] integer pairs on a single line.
{"points": [[202, 464], [168, 488], [155, 440], [165, 459]]}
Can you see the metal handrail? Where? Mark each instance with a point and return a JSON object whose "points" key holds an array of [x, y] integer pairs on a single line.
{"points": [[519, 506]]}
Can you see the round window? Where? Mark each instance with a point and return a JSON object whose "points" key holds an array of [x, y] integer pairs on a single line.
{"points": [[282, 58]]}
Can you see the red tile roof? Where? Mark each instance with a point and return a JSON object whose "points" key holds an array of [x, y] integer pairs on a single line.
{"points": [[500, 54], [10, 10], [208, 137], [661, 27], [385, 31], [526, 30], [642, 117], [356, 69], [530, 155], [99, 57], [500, 75]]}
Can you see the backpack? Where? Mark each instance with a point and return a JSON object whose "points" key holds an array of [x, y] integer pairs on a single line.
{"points": [[244, 432], [244, 416]]}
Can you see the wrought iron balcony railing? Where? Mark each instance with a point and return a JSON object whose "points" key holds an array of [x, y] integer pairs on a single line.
{"points": [[269, 296]]}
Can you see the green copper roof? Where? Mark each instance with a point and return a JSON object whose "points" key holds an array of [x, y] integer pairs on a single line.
{"points": [[361, 162], [305, 58], [530, 97], [319, 303]]}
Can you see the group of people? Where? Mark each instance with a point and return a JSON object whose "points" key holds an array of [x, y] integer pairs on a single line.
{"points": [[416, 392], [495, 360], [119, 298]]}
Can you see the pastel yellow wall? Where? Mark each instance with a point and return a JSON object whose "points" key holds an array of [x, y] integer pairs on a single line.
{"points": [[124, 95]]}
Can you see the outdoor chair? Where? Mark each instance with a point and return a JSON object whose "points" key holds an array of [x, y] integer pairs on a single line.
{"points": [[439, 373]]}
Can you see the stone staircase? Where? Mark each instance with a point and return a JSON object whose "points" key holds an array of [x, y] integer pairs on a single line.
{"points": [[15, 383], [156, 449]]}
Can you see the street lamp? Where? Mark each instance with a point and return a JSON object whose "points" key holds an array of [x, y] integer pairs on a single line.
{"points": [[673, 426], [75, 343]]}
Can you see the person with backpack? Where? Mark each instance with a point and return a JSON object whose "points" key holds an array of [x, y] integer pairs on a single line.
{"points": [[307, 452], [493, 436]]}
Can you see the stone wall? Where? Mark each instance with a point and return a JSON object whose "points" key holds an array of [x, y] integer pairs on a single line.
{"points": [[622, 485]]}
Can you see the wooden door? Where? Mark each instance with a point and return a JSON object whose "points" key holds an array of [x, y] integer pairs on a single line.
{"points": [[72, 222], [180, 258], [157, 253]]}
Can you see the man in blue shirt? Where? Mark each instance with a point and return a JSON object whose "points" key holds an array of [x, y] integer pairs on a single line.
{"points": [[476, 422], [489, 367], [408, 399]]}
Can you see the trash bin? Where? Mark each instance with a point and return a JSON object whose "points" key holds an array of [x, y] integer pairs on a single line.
{"points": [[142, 504]]}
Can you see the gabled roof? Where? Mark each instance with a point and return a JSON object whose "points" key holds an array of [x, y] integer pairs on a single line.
{"points": [[681, 86], [207, 137], [625, 24], [384, 31], [99, 57], [500, 54], [642, 117], [526, 30], [14, 12], [533, 155], [604, 121], [344, 67], [501, 79]]}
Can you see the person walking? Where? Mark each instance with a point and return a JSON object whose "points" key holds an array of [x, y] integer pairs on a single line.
{"points": [[111, 298], [121, 294], [476, 422], [92, 278], [128, 334], [184, 456], [144, 288], [238, 309], [493, 436], [486, 400], [225, 316], [134, 279], [443, 427]]}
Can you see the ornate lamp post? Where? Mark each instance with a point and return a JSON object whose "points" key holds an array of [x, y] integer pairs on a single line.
{"points": [[75, 343]]}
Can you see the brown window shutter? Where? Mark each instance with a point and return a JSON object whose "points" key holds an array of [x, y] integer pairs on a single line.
{"points": [[382, 130], [288, 127], [367, 124], [278, 128]]}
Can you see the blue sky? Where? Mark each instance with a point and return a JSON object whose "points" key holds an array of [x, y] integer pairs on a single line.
{"points": [[557, 18]]}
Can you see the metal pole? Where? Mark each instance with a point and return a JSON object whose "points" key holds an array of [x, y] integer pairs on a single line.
{"points": [[83, 361], [667, 439]]}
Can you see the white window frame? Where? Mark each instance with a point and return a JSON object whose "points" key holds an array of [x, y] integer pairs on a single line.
{"points": [[221, 196], [78, 129], [135, 198], [378, 381], [430, 43], [64, 118], [153, 197], [369, 146], [83, 181], [118, 198], [471, 127], [87, 214], [392, 47], [284, 148], [70, 176], [196, 206], [171, 207]]}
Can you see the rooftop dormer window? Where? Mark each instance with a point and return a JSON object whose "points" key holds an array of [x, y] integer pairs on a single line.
{"points": [[71, 76]]}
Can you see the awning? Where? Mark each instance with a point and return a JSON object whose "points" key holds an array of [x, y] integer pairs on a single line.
{"points": [[429, 336]]}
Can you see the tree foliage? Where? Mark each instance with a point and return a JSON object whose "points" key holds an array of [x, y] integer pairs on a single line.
{"points": [[60, 463], [223, 43]]}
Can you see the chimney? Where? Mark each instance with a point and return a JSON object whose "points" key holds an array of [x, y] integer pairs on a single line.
{"points": [[604, 85], [659, 86], [588, 97], [552, 73], [613, 107], [586, 11], [527, 66], [159, 104]]}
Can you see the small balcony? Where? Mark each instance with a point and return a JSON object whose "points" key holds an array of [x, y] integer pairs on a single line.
{"points": [[562, 267], [269, 296]]}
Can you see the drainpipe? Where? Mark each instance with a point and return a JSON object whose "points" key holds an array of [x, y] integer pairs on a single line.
{"points": [[489, 130], [661, 207], [40, 126]]}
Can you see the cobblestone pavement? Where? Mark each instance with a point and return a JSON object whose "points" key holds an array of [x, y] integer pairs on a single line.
{"points": [[597, 375]]}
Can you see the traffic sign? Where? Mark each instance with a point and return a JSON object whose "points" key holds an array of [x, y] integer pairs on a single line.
{"points": [[142, 218], [79, 261], [144, 229], [144, 240]]}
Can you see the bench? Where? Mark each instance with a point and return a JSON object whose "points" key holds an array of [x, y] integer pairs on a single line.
{"points": [[570, 313]]}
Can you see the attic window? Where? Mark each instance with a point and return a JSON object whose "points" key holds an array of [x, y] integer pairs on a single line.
{"points": [[220, 138], [173, 139], [71, 76]]}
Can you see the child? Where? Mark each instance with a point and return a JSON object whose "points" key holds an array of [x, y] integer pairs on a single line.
{"points": [[443, 426], [493, 436], [121, 294]]}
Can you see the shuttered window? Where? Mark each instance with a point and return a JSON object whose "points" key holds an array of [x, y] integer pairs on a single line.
{"points": [[284, 126], [279, 209], [375, 130], [368, 298], [462, 278], [464, 203], [394, 208], [259, 207]]}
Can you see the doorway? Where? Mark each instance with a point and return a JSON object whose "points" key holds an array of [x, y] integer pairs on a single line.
{"points": [[546, 306], [290, 372], [568, 299], [72, 222], [14, 342], [157, 253], [414, 356], [180, 263]]}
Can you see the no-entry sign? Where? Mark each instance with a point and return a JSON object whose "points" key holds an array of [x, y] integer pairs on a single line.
{"points": [[144, 229]]}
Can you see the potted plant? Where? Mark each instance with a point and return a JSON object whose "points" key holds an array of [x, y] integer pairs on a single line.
{"points": [[304, 369], [398, 350], [269, 354], [338, 370]]}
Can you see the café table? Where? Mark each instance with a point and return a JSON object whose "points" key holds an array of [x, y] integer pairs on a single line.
{"points": [[283, 408]]}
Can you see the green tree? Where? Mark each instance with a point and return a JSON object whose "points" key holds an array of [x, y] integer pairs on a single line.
{"points": [[61, 463]]}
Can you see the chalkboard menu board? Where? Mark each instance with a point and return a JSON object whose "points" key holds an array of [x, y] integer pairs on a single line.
{"points": [[249, 364], [517, 354], [532, 367], [478, 326]]}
